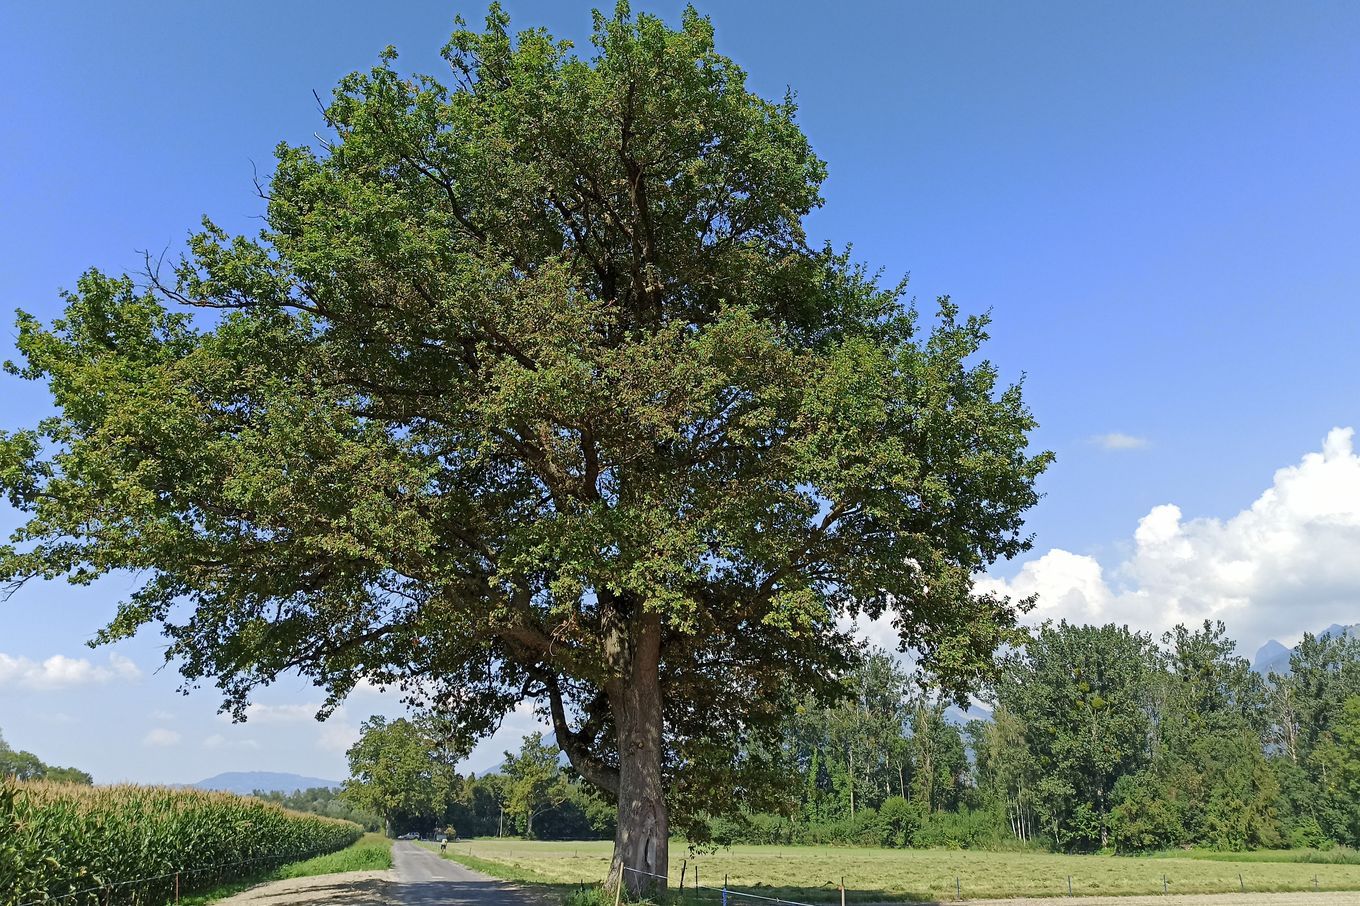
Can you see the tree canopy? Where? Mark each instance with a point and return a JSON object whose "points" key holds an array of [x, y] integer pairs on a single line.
{"points": [[22, 765], [533, 386]]}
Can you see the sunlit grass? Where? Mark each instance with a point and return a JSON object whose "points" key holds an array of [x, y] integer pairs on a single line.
{"points": [[813, 873]]}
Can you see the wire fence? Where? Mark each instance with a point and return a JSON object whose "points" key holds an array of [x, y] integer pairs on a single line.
{"points": [[725, 891], [169, 887]]}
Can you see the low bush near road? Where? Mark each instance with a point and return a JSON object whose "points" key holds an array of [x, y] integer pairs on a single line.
{"points": [[125, 845]]}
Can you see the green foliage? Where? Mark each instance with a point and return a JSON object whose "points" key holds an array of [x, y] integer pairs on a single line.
{"points": [[18, 765], [1337, 761], [966, 828], [901, 820], [1144, 820], [536, 783], [399, 771], [93, 845], [323, 801], [531, 384], [1080, 692]]}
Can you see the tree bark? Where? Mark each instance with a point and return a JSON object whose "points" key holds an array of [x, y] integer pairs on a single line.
{"points": [[640, 842]]}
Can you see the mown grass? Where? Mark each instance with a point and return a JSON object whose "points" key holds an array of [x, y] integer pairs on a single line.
{"points": [[372, 852], [811, 874], [1342, 855]]}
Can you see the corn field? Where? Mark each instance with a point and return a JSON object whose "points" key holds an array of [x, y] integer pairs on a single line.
{"points": [[124, 845]]}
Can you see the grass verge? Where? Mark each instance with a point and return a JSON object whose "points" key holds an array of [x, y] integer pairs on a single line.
{"points": [[372, 852]]}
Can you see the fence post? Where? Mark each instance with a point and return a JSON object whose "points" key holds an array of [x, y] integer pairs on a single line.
{"points": [[842, 890], [683, 866], [176, 888], [1069, 885], [958, 888], [724, 900], [618, 889], [1242, 883], [1163, 885]]}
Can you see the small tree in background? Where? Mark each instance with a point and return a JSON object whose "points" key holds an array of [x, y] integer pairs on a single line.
{"points": [[399, 772], [536, 781]]}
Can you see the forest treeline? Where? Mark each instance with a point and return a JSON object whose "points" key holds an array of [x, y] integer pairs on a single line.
{"points": [[1099, 738], [21, 765], [1092, 738], [322, 800]]}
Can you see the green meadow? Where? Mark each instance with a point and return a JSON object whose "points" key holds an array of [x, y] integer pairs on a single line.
{"points": [[874, 875]]}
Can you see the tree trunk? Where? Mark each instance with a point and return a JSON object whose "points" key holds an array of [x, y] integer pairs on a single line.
{"points": [[640, 842]]}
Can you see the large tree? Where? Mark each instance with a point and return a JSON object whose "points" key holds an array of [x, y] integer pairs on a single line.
{"points": [[532, 387]]}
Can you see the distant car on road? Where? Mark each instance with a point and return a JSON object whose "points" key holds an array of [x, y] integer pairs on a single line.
{"points": [[411, 836]]}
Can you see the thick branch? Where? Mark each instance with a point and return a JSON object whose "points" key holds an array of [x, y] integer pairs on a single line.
{"points": [[594, 770]]}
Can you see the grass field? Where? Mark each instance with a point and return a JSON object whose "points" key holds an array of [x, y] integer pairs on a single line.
{"points": [[876, 875]]}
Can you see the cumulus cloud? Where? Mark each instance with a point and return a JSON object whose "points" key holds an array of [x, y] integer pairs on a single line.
{"points": [[1116, 440], [62, 672], [161, 737], [1284, 565]]}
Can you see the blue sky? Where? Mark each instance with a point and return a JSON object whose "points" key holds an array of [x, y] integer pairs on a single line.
{"points": [[1158, 202]]}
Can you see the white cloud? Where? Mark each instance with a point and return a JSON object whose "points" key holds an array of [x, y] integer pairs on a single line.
{"points": [[337, 735], [278, 714], [162, 715], [161, 737], [368, 687], [880, 633], [62, 672], [1284, 565], [1116, 440]]}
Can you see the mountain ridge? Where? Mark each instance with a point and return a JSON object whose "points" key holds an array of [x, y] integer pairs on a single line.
{"points": [[243, 783], [1273, 656]]}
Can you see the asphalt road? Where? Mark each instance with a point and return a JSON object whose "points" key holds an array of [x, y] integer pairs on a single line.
{"points": [[425, 879]]}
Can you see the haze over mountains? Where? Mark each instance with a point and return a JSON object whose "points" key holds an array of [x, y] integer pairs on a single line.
{"points": [[1273, 657], [243, 783]]}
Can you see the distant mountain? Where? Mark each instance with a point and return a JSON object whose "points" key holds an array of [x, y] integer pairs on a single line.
{"points": [[960, 718], [1274, 657], [243, 783]]}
